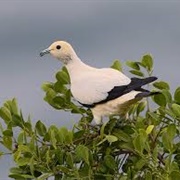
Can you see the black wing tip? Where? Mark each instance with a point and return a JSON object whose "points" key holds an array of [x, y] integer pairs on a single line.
{"points": [[153, 78]]}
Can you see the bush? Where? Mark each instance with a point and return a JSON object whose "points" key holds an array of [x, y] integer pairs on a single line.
{"points": [[145, 146]]}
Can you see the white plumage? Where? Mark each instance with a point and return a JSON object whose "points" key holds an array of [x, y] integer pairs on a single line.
{"points": [[106, 91]]}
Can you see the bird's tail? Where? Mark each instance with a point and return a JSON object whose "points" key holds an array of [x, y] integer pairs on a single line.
{"points": [[141, 82], [146, 94]]}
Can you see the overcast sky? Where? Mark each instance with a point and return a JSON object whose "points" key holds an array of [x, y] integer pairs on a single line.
{"points": [[100, 31]]}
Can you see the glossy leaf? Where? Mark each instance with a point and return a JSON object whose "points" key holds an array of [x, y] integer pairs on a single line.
{"points": [[168, 136], [160, 99], [133, 65], [117, 65], [149, 129], [62, 77], [5, 114], [7, 142], [141, 106], [176, 109], [167, 95], [161, 85], [40, 128], [137, 73], [177, 95], [46, 86], [110, 162], [44, 176], [111, 138], [23, 161], [175, 175], [83, 153], [8, 132], [147, 61]]}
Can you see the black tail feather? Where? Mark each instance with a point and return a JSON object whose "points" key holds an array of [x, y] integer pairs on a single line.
{"points": [[146, 94], [137, 82]]}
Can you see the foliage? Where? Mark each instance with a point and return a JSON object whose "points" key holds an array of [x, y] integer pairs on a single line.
{"points": [[144, 146]]}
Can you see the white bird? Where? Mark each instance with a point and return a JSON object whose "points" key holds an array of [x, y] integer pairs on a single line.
{"points": [[105, 91]]}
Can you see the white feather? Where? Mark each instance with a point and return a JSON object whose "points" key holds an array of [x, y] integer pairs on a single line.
{"points": [[118, 106], [91, 85]]}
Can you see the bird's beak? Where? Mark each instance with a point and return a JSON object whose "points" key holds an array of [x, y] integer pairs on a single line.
{"points": [[46, 51]]}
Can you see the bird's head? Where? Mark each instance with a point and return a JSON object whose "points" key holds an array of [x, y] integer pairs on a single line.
{"points": [[61, 50]]}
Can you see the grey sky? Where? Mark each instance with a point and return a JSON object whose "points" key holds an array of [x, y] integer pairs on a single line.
{"points": [[100, 32]]}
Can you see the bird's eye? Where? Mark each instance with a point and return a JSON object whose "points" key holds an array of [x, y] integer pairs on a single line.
{"points": [[58, 47]]}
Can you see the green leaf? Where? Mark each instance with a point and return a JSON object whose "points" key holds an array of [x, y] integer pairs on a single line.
{"points": [[141, 106], [149, 129], [161, 85], [121, 135], [44, 176], [23, 161], [21, 176], [110, 162], [60, 155], [168, 136], [65, 136], [32, 142], [176, 109], [148, 175], [137, 144], [14, 106], [102, 129], [20, 138], [175, 175], [111, 138], [133, 65], [140, 163], [137, 73], [17, 121], [171, 131], [17, 155], [8, 132], [50, 94], [53, 131], [140, 140], [24, 148], [177, 95], [153, 116], [62, 77], [40, 128], [117, 65], [69, 159], [63, 169], [7, 141], [82, 152], [46, 86], [63, 131], [31, 165], [5, 114], [160, 99], [167, 95], [147, 61], [59, 101], [16, 170]]}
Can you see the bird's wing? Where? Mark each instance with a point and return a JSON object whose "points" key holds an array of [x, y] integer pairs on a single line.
{"points": [[94, 86]]}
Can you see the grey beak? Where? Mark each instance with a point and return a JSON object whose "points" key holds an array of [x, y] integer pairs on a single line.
{"points": [[46, 51]]}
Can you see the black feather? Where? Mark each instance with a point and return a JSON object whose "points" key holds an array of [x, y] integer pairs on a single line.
{"points": [[118, 91], [135, 84]]}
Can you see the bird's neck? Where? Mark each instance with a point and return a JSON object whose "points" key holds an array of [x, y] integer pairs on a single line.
{"points": [[76, 67]]}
